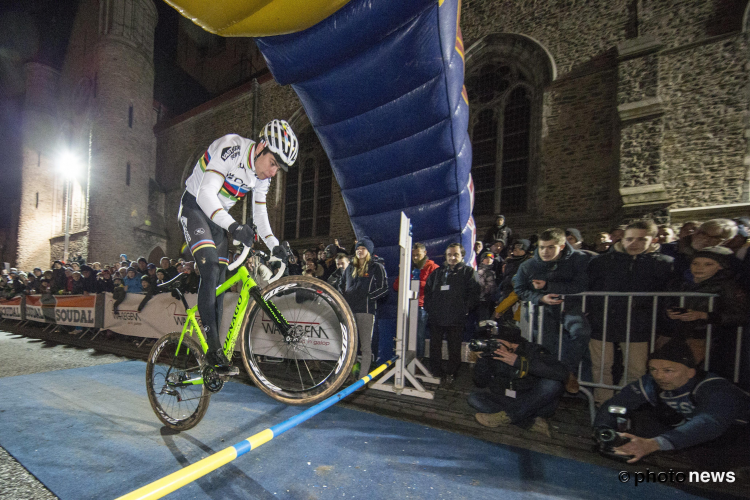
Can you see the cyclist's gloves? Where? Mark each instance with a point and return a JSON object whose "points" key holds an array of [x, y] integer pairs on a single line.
{"points": [[279, 253], [243, 233]]}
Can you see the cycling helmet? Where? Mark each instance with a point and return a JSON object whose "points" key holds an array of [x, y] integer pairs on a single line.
{"points": [[281, 140]]}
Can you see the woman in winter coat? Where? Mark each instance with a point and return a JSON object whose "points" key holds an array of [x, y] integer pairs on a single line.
{"points": [[366, 282]]}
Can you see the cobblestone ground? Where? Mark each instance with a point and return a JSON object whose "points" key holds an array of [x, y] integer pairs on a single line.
{"points": [[21, 356]]}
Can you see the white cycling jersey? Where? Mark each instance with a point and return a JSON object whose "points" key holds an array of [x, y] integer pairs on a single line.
{"points": [[223, 176]]}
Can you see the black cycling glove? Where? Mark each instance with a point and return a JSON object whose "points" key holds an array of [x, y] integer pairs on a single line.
{"points": [[243, 233]]}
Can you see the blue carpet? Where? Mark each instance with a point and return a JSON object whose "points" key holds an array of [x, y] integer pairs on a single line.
{"points": [[90, 433]]}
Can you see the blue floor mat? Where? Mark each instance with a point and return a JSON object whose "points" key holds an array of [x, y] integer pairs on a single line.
{"points": [[90, 433]]}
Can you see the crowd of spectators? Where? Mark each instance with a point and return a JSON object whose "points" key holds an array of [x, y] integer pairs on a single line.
{"points": [[606, 341]]}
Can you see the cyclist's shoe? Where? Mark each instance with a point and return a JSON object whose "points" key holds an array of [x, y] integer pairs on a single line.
{"points": [[221, 365]]}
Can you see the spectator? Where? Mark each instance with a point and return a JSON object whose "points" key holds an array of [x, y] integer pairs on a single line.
{"points": [[556, 270], [676, 407], [711, 273], [500, 231], [574, 237], [616, 234], [77, 286], [422, 268], [88, 279], [602, 243], [500, 252], [75, 266], [69, 280], [666, 234], [259, 271], [688, 228], [148, 289], [478, 247], [142, 267], [131, 282], [45, 286], [151, 273], [59, 279], [170, 271], [312, 255], [366, 282], [714, 232], [190, 285], [161, 277], [506, 296], [336, 279], [294, 267], [450, 293], [329, 261], [525, 384], [488, 286], [634, 264], [104, 282]]}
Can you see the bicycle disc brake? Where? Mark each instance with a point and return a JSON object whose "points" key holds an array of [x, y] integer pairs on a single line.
{"points": [[211, 380]]}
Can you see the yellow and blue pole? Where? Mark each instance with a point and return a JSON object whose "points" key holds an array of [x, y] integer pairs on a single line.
{"points": [[176, 480]]}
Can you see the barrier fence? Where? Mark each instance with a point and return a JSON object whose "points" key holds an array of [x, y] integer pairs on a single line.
{"points": [[534, 320]]}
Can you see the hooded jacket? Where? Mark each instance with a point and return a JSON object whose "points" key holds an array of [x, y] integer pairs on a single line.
{"points": [[565, 276], [618, 271], [450, 294]]}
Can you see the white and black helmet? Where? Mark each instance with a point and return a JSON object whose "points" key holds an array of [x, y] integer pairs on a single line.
{"points": [[281, 140]]}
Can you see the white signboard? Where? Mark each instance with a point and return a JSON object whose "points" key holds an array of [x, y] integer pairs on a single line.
{"points": [[10, 308]]}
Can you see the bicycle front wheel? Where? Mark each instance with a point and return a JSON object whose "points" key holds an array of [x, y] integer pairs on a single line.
{"points": [[314, 359], [174, 382]]}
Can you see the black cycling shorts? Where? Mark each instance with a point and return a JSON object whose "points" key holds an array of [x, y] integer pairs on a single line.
{"points": [[200, 231]]}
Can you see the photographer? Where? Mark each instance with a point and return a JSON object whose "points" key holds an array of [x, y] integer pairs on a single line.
{"points": [[674, 406], [525, 383]]}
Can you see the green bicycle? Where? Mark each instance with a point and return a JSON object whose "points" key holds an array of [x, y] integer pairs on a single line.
{"points": [[298, 343]]}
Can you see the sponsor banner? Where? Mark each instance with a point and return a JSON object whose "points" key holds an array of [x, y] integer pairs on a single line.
{"points": [[11, 308], [162, 314], [321, 332], [76, 310], [40, 308]]}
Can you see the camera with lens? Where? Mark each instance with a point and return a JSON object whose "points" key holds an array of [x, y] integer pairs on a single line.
{"points": [[486, 341], [607, 439]]}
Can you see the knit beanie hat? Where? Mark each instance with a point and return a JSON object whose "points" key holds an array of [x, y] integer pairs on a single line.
{"points": [[525, 244], [675, 350], [366, 242], [722, 255]]}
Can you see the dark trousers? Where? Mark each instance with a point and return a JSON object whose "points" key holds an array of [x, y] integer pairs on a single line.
{"points": [[454, 335], [539, 401]]}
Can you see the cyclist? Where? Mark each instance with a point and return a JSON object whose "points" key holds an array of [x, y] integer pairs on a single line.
{"points": [[231, 167]]}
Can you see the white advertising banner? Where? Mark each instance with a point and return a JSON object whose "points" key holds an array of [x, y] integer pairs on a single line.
{"points": [[11, 308], [318, 325], [76, 310], [162, 314]]}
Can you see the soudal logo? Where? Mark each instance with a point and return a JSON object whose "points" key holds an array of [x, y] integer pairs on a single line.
{"points": [[230, 152], [10, 311], [75, 316]]}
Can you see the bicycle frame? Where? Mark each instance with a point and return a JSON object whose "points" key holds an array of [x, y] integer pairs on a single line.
{"points": [[249, 289]]}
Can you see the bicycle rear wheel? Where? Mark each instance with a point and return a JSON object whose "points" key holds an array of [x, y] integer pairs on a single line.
{"points": [[174, 382], [315, 358]]}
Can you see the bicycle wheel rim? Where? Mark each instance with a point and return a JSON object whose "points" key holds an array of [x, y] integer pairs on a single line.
{"points": [[179, 405], [301, 372]]}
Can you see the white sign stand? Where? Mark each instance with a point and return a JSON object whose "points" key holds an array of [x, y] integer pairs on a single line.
{"points": [[405, 369]]}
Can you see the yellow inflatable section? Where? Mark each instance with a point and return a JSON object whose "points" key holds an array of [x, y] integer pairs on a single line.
{"points": [[256, 17]]}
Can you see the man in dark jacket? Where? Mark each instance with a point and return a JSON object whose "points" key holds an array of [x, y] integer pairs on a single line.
{"points": [[450, 293], [170, 271], [104, 282], [633, 264], [89, 280], [525, 383], [500, 231], [557, 270], [674, 407]]}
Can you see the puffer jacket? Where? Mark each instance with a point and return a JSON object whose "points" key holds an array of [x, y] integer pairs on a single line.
{"points": [[363, 292], [617, 271]]}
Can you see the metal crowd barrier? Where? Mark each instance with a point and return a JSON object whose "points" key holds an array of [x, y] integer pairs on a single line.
{"points": [[536, 316]]}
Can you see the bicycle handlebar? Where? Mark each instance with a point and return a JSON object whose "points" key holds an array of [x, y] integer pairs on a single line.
{"points": [[237, 263], [246, 250]]}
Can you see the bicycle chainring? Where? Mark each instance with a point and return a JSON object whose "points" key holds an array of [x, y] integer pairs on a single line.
{"points": [[211, 380]]}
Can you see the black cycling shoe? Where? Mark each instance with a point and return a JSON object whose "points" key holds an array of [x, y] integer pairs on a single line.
{"points": [[221, 365]]}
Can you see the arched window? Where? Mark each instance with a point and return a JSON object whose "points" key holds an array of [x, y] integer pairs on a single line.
{"points": [[501, 107], [506, 75], [307, 207]]}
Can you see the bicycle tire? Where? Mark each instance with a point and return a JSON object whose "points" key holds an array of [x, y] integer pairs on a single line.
{"points": [[179, 407], [294, 372]]}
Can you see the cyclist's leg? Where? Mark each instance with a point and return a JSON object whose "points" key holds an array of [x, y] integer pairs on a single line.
{"points": [[219, 236], [199, 235]]}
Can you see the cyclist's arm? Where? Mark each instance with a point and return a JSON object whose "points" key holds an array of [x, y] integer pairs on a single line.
{"points": [[260, 214], [213, 180]]}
